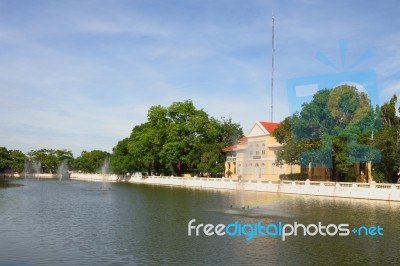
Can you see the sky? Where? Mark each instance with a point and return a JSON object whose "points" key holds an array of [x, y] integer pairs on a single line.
{"points": [[79, 75]]}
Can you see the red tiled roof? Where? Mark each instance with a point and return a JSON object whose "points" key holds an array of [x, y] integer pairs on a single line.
{"points": [[242, 140], [269, 126], [230, 148]]}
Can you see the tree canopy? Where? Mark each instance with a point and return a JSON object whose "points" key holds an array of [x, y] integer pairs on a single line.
{"points": [[50, 159], [91, 162], [387, 141], [338, 128], [175, 140], [5, 161], [332, 131], [121, 160]]}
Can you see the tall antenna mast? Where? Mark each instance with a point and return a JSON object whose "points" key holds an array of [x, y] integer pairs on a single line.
{"points": [[273, 68]]}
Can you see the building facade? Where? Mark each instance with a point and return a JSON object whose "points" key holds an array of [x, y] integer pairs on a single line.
{"points": [[253, 157]]}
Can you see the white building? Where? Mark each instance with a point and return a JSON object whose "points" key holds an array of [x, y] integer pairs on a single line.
{"points": [[253, 157]]}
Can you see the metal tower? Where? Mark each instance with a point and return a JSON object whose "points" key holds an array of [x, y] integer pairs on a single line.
{"points": [[273, 68]]}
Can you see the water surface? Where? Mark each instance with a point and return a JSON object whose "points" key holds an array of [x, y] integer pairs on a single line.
{"points": [[46, 222]]}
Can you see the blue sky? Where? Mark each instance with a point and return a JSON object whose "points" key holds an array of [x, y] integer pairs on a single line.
{"points": [[80, 75]]}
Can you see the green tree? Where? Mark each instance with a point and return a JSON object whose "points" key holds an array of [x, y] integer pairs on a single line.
{"points": [[330, 132], [387, 141], [64, 156], [5, 160], [50, 159], [90, 162], [122, 162], [18, 159], [211, 160], [47, 159], [177, 139]]}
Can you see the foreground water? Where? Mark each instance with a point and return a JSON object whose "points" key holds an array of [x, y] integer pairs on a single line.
{"points": [[48, 222]]}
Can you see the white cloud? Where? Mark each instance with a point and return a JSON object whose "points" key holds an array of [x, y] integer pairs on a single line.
{"points": [[80, 75]]}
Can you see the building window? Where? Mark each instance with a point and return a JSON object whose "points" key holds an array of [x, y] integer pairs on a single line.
{"points": [[256, 169], [263, 152], [231, 157]]}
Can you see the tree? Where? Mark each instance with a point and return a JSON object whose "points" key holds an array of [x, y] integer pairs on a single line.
{"points": [[330, 132], [177, 139], [47, 159], [12, 160], [122, 162], [387, 141], [50, 159], [211, 159], [5, 161], [228, 132], [64, 156], [90, 162], [18, 159], [186, 132]]}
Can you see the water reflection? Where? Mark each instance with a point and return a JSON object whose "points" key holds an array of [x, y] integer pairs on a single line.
{"points": [[74, 223]]}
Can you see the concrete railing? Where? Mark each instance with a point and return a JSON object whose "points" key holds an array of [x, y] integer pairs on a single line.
{"points": [[39, 176], [94, 177], [375, 191], [319, 188]]}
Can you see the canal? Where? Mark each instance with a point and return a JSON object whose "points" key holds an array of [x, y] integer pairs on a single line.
{"points": [[47, 222]]}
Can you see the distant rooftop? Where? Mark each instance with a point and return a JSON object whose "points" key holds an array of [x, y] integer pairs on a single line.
{"points": [[269, 126]]}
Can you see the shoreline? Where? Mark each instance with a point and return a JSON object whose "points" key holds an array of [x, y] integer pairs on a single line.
{"points": [[371, 191]]}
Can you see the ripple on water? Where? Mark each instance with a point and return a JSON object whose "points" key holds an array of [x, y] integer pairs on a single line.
{"points": [[74, 223]]}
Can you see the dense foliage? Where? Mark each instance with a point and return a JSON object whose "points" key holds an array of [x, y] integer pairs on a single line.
{"points": [[332, 131], [49, 159], [91, 162], [336, 129], [176, 139], [12, 160], [387, 141]]}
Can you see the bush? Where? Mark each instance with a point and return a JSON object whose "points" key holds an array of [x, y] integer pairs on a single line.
{"points": [[297, 176], [379, 177], [350, 177]]}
